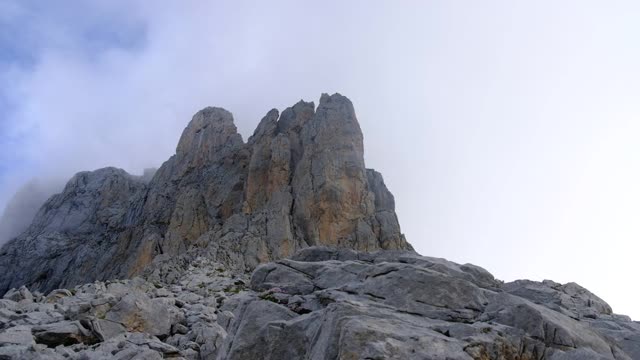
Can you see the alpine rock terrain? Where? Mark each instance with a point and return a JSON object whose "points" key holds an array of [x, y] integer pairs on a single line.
{"points": [[283, 247]]}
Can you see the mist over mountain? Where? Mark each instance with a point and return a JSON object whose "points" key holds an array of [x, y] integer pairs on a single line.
{"points": [[23, 206], [16, 217]]}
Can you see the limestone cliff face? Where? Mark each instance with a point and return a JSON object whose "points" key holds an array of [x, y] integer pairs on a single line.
{"points": [[78, 235], [300, 180]]}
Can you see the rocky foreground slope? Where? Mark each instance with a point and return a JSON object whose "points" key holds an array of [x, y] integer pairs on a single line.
{"points": [[321, 304]]}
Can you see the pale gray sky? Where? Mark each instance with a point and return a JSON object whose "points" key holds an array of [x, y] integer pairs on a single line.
{"points": [[508, 131]]}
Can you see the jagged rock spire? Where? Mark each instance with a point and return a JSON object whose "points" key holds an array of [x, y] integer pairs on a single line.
{"points": [[300, 180], [210, 130]]}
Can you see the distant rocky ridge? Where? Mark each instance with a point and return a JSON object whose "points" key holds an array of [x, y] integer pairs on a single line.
{"points": [[300, 180]]}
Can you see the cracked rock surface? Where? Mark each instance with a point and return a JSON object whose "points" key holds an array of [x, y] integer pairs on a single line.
{"points": [[322, 303]]}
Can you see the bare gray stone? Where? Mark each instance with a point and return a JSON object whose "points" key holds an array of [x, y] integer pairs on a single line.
{"points": [[399, 305], [63, 333], [136, 312], [21, 295], [18, 335]]}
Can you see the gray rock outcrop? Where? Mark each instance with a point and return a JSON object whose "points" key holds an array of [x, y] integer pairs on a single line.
{"points": [[322, 303], [78, 235], [300, 180], [399, 305]]}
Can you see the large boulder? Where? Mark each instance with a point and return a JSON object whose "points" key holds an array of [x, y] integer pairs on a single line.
{"points": [[570, 299], [136, 312], [63, 333], [17, 335], [22, 295], [334, 303]]}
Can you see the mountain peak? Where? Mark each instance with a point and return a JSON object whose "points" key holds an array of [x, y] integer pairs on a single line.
{"points": [[299, 181], [209, 130]]}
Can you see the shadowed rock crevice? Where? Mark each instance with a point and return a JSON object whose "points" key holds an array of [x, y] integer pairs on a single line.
{"points": [[299, 180]]}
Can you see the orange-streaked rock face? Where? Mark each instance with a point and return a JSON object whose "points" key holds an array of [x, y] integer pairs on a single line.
{"points": [[299, 180]]}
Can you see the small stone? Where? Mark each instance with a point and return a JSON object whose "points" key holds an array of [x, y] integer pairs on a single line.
{"points": [[179, 329], [162, 292], [63, 333], [57, 294], [106, 329], [21, 295], [189, 297]]}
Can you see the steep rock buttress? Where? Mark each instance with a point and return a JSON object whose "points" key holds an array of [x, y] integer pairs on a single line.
{"points": [[300, 180]]}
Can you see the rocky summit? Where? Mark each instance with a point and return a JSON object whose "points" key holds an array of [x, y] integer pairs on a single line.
{"points": [[300, 180], [281, 247]]}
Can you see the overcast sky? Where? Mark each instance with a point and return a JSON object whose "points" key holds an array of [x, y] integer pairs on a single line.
{"points": [[508, 131]]}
